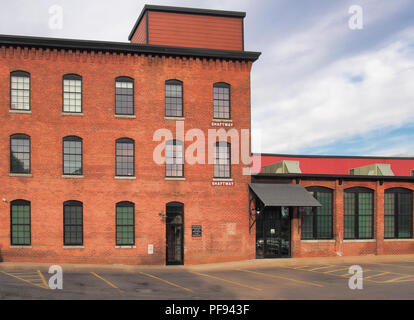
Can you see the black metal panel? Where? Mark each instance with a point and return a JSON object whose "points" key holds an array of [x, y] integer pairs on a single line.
{"points": [[122, 47]]}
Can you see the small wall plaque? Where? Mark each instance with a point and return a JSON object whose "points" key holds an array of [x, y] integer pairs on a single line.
{"points": [[196, 231]]}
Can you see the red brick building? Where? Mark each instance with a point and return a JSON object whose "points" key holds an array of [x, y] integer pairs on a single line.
{"points": [[367, 206], [79, 182]]}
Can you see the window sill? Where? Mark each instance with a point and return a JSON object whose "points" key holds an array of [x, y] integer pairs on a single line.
{"points": [[175, 118], [20, 247], [73, 247], [20, 111], [72, 177], [398, 240], [223, 180], [223, 120], [175, 179], [360, 240], [125, 247], [125, 178], [318, 241], [72, 114], [21, 175], [125, 116]]}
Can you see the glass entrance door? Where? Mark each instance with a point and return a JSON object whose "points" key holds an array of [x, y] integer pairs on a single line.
{"points": [[273, 233], [175, 234]]}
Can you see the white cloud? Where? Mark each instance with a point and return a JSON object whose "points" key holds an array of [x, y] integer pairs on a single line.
{"points": [[305, 100]]}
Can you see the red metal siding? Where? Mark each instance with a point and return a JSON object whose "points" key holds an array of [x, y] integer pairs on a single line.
{"points": [[140, 35], [196, 31]]}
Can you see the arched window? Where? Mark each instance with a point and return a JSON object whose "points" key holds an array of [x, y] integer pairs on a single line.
{"points": [[20, 225], [316, 222], [358, 213], [222, 160], [221, 93], [174, 159], [72, 223], [124, 96], [20, 154], [19, 90], [125, 224], [72, 93], [174, 98], [125, 157], [398, 219], [72, 156]]}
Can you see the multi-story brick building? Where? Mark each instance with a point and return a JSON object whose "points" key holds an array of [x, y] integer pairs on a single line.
{"points": [[78, 118], [85, 126]]}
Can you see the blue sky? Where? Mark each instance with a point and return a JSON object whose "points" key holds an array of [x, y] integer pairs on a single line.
{"points": [[319, 87]]}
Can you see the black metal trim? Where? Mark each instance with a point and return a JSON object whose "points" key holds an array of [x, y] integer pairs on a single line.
{"points": [[21, 136], [356, 191], [317, 190], [21, 73], [230, 159], [129, 80], [71, 76], [179, 206], [21, 202], [174, 82], [71, 138], [123, 47], [147, 28], [175, 143], [184, 10], [72, 203], [397, 191], [124, 204], [227, 86], [125, 140], [332, 177]]}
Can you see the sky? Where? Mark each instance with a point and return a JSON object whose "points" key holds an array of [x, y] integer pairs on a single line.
{"points": [[319, 87]]}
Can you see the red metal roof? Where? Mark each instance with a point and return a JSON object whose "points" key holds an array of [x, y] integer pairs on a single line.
{"points": [[335, 164]]}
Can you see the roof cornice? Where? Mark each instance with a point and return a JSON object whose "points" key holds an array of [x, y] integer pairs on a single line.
{"points": [[124, 47]]}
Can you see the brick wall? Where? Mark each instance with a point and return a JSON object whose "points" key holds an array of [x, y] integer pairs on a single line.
{"points": [[339, 246], [222, 211]]}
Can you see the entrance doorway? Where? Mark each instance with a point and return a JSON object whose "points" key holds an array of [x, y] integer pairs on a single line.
{"points": [[273, 233], [175, 233]]}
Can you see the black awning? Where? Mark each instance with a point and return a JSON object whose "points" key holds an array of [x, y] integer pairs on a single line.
{"points": [[283, 195]]}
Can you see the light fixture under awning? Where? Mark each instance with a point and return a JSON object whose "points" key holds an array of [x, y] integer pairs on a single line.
{"points": [[283, 195]]}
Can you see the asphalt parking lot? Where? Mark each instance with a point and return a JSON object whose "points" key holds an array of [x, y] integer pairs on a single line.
{"points": [[307, 279]]}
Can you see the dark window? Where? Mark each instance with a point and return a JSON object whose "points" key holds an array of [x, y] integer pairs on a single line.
{"points": [[125, 162], [317, 221], [19, 153], [20, 223], [125, 224], [174, 159], [73, 223], [72, 93], [222, 160], [72, 156], [19, 90], [173, 98], [124, 96], [398, 213], [358, 213], [221, 92]]}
